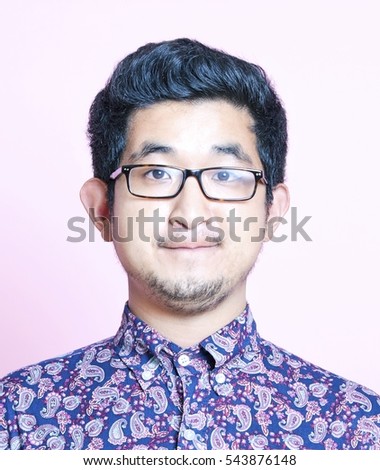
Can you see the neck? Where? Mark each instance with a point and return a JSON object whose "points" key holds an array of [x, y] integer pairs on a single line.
{"points": [[182, 328]]}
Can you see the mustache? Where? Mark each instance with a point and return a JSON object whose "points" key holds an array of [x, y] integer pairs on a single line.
{"points": [[193, 241], [191, 237]]}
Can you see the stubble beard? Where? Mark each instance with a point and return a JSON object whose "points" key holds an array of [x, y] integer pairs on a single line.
{"points": [[190, 295]]}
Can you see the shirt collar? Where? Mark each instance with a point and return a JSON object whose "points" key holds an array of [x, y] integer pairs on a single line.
{"points": [[233, 340], [146, 352]]}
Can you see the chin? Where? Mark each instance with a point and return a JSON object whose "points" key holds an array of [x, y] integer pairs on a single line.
{"points": [[186, 293], [192, 306]]}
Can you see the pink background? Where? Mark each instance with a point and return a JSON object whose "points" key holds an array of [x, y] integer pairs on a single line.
{"points": [[317, 299]]}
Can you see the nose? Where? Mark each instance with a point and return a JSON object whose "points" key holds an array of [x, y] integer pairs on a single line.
{"points": [[191, 207]]}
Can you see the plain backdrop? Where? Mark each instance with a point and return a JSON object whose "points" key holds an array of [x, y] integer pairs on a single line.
{"points": [[317, 299]]}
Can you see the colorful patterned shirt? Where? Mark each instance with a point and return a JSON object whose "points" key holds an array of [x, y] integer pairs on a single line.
{"points": [[137, 390]]}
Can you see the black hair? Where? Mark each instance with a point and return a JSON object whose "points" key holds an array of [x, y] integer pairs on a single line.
{"points": [[185, 70]]}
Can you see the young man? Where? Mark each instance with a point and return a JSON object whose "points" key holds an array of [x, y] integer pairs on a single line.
{"points": [[189, 149]]}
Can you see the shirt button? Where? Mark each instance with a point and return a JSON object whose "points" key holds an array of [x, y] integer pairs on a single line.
{"points": [[220, 378], [189, 434], [147, 374], [184, 360]]}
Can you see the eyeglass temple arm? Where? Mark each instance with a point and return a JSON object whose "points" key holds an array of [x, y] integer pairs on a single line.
{"points": [[263, 179], [116, 173]]}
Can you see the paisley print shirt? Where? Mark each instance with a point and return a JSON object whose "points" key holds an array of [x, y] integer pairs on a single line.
{"points": [[137, 390]]}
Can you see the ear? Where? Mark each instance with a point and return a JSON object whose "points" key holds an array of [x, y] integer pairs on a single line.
{"points": [[277, 209], [93, 195]]}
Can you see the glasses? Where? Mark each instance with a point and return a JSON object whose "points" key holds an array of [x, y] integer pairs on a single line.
{"points": [[164, 181]]}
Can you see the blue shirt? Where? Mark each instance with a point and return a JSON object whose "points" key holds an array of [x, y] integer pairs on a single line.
{"points": [[137, 390]]}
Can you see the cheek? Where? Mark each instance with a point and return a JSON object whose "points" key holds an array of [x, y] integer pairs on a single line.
{"points": [[245, 225], [135, 221], [245, 242]]}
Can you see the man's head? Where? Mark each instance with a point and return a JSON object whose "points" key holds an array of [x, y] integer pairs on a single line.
{"points": [[185, 70], [181, 107]]}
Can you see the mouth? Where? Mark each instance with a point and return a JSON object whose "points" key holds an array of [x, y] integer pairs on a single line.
{"points": [[188, 245]]}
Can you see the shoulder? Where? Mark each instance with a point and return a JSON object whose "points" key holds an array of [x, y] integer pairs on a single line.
{"points": [[279, 358], [56, 366], [295, 370], [334, 410], [37, 389]]}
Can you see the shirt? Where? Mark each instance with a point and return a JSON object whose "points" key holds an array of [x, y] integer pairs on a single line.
{"points": [[138, 390]]}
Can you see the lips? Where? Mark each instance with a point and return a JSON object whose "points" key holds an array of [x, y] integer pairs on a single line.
{"points": [[188, 242], [187, 245]]}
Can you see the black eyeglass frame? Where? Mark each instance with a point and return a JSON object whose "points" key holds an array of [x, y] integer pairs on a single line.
{"points": [[197, 173]]}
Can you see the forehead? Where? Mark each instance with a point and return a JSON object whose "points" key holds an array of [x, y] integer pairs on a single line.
{"points": [[187, 127], [201, 111]]}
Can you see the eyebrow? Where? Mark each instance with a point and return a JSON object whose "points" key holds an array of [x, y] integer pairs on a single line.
{"points": [[147, 149], [235, 150], [151, 147]]}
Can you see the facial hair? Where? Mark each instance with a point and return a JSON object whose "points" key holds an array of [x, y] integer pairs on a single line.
{"points": [[188, 295]]}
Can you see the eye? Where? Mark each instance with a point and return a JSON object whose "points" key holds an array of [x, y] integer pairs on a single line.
{"points": [[223, 176], [157, 174]]}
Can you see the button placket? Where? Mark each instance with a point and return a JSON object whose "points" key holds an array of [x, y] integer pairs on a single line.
{"points": [[220, 378], [147, 374], [189, 434], [222, 383], [184, 360]]}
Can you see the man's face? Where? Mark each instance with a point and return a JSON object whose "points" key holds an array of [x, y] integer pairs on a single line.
{"points": [[198, 272]]}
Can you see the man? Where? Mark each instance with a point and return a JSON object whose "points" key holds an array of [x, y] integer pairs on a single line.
{"points": [[189, 149]]}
